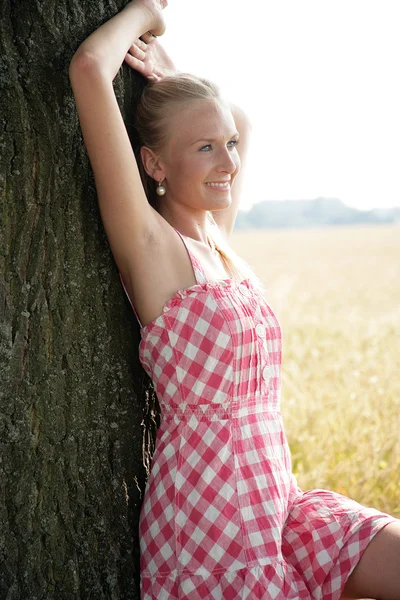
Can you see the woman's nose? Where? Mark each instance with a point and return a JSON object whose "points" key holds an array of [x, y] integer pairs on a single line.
{"points": [[227, 162]]}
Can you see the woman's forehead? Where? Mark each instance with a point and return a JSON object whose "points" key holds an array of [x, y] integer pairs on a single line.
{"points": [[201, 117]]}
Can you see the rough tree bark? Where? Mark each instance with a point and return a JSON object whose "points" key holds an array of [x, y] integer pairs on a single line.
{"points": [[77, 413]]}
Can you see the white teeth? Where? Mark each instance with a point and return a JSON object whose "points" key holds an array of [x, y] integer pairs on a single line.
{"points": [[222, 185]]}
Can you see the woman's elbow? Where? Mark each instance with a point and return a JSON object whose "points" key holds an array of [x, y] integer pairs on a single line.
{"points": [[83, 61]]}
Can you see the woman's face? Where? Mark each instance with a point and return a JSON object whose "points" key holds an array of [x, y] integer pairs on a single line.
{"points": [[200, 158]]}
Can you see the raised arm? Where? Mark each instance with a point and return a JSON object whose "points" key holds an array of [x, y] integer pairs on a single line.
{"points": [[128, 218], [226, 218]]}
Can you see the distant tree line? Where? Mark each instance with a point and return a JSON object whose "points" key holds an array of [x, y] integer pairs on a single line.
{"points": [[304, 213]]}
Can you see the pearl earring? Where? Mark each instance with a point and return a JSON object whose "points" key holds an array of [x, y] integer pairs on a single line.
{"points": [[161, 189]]}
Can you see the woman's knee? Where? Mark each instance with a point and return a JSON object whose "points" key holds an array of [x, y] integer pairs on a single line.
{"points": [[377, 574]]}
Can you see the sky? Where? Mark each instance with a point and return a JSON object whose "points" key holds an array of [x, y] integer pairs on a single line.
{"points": [[319, 80]]}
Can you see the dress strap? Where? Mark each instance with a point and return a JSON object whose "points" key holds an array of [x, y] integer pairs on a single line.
{"points": [[199, 273], [134, 310]]}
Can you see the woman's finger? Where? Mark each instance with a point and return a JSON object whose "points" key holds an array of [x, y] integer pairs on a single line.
{"points": [[140, 43], [147, 37], [135, 63], [153, 78], [137, 52]]}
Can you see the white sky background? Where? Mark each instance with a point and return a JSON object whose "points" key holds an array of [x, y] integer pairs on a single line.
{"points": [[319, 80]]}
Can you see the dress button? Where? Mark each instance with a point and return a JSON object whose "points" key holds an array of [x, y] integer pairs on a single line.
{"points": [[245, 291], [260, 329], [266, 373]]}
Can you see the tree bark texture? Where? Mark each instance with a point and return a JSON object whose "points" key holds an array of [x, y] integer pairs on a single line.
{"points": [[77, 412]]}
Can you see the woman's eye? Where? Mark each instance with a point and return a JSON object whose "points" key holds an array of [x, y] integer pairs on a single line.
{"points": [[208, 147]]}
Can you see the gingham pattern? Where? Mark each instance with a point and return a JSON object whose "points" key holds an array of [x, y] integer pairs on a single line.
{"points": [[222, 515]]}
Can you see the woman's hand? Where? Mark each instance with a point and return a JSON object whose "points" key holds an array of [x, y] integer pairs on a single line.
{"points": [[148, 57], [108, 46]]}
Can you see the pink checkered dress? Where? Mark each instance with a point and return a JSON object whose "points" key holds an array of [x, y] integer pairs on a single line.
{"points": [[223, 517]]}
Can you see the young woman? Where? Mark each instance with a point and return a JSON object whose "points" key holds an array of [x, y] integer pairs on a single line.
{"points": [[222, 517]]}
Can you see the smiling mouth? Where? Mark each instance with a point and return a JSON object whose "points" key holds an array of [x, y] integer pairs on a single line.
{"points": [[225, 185]]}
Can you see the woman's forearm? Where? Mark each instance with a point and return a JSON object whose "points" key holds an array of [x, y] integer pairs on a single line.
{"points": [[109, 44]]}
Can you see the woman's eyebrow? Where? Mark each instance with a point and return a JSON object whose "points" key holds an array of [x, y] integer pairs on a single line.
{"points": [[211, 139]]}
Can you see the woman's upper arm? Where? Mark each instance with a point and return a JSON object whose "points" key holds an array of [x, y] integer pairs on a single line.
{"points": [[226, 217], [127, 216]]}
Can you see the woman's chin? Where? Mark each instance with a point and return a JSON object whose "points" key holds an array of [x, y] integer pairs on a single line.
{"points": [[220, 198], [221, 205]]}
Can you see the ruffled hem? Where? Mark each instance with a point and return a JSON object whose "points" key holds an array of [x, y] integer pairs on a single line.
{"points": [[179, 295], [269, 582], [280, 580]]}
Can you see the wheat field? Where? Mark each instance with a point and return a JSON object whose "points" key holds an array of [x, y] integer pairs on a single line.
{"points": [[336, 293]]}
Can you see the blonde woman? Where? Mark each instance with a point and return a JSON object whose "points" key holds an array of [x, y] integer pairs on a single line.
{"points": [[222, 517]]}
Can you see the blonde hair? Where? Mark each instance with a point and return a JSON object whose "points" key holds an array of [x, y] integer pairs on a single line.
{"points": [[152, 128]]}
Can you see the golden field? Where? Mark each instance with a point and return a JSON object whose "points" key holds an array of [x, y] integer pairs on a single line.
{"points": [[336, 292]]}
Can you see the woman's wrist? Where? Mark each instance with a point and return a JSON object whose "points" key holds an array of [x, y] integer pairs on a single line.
{"points": [[109, 44]]}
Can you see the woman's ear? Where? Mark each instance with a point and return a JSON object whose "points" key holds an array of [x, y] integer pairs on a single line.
{"points": [[151, 164]]}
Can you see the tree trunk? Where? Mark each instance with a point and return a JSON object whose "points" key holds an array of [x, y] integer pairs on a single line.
{"points": [[77, 412]]}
